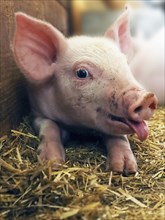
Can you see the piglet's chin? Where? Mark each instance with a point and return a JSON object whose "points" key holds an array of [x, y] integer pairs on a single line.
{"points": [[125, 126], [118, 128]]}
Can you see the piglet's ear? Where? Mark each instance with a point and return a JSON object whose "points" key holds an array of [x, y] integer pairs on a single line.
{"points": [[120, 32], [36, 47]]}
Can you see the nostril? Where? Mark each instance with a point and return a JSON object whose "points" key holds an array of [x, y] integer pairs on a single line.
{"points": [[138, 109], [152, 106]]}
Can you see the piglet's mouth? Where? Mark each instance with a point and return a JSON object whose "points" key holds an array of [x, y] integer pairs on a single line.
{"points": [[140, 128]]}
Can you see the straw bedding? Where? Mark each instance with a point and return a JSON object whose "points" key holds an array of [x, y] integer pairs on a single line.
{"points": [[81, 189]]}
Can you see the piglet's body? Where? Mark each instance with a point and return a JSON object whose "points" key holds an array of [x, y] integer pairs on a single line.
{"points": [[81, 84], [148, 65]]}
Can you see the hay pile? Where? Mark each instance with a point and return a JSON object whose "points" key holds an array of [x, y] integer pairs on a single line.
{"points": [[82, 189]]}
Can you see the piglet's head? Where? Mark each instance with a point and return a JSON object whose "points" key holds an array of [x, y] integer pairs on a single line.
{"points": [[91, 83]]}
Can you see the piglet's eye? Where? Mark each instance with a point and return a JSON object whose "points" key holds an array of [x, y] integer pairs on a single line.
{"points": [[82, 73]]}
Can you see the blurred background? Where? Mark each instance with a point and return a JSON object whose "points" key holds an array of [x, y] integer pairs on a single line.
{"points": [[92, 17]]}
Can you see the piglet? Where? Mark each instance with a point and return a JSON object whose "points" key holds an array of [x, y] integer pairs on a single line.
{"points": [[148, 65], [81, 84], [145, 57]]}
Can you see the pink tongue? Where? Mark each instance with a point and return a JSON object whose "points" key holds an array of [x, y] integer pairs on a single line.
{"points": [[140, 128]]}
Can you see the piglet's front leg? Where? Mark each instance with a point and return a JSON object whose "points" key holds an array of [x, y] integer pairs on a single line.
{"points": [[120, 157], [51, 147]]}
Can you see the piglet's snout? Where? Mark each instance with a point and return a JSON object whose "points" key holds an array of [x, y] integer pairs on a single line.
{"points": [[143, 108]]}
